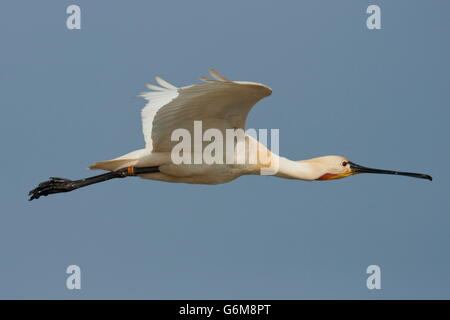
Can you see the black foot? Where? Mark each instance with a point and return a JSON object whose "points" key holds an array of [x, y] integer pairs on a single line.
{"points": [[54, 185]]}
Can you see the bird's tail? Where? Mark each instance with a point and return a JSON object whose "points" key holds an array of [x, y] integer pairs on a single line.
{"points": [[127, 160], [113, 165]]}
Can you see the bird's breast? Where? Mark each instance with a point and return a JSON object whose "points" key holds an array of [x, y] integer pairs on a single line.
{"points": [[203, 173]]}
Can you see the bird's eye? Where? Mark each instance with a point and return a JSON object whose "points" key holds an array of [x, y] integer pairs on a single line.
{"points": [[344, 163]]}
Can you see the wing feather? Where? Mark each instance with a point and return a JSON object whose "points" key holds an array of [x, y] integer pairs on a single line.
{"points": [[219, 104], [217, 75], [206, 79], [165, 84], [153, 87]]}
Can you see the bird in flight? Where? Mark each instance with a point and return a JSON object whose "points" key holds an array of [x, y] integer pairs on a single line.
{"points": [[218, 103]]}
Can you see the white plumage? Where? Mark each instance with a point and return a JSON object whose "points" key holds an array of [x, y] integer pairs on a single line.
{"points": [[219, 104], [222, 104]]}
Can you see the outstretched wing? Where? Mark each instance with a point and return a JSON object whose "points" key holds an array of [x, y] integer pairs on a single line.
{"points": [[219, 103]]}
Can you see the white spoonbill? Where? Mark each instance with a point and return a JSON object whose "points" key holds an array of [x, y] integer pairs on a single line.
{"points": [[218, 103]]}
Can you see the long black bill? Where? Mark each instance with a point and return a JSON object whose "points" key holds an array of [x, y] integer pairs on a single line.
{"points": [[360, 169]]}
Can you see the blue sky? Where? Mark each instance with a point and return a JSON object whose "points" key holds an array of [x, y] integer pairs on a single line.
{"points": [[380, 98]]}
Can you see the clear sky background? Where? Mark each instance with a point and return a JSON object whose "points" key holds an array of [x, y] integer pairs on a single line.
{"points": [[380, 98]]}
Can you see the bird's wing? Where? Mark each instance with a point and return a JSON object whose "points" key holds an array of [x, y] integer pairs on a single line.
{"points": [[219, 103]]}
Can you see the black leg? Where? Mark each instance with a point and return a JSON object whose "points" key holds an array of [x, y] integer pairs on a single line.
{"points": [[58, 185]]}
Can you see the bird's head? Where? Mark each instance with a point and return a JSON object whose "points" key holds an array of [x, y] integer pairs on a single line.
{"points": [[337, 167]]}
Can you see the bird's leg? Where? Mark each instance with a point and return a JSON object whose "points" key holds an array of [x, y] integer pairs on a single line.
{"points": [[58, 185]]}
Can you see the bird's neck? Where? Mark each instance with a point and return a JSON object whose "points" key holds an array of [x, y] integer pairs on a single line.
{"points": [[301, 170]]}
